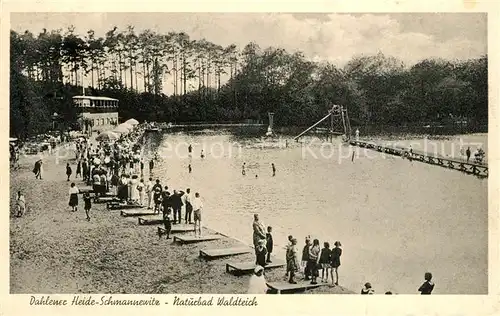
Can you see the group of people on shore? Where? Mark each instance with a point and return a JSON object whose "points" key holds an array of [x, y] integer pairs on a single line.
{"points": [[171, 205], [314, 258], [425, 289], [99, 165]]}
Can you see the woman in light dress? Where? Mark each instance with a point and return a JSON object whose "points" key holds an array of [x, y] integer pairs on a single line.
{"points": [[142, 191], [134, 193]]}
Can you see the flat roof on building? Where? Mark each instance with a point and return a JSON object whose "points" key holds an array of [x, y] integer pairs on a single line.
{"points": [[89, 97]]}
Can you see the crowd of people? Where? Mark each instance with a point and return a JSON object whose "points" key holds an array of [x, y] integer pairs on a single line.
{"points": [[117, 170], [313, 259]]}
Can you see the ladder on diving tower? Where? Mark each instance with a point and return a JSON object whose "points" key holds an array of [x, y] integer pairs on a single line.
{"points": [[338, 113]]}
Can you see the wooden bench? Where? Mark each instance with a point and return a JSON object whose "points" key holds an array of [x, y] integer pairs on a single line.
{"points": [[121, 206], [152, 219], [193, 239], [280, 287], [106, 199], [176, 229], [85, 190], [223, 252], [136, 212], [249, 266]]}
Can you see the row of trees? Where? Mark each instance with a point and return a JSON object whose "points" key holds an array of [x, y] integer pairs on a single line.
{"points": [[120, 58], [212, 82]]}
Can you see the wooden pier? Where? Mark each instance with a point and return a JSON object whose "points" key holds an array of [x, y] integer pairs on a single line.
{"points": [[239, 268], [121, 206], [166, 126], [150, 219], [193, 239], [176, 229], [106, 199], [473, 168], [137, 212], [223, 252], [280, 287]]}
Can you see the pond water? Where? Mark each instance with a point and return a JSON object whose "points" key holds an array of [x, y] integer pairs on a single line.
{"points": [[396, 219]]}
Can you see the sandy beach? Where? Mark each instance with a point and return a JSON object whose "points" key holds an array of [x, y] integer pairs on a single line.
{"points": [[54, 250]]}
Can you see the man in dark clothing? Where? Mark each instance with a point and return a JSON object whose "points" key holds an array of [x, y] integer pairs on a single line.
{"points": [[467, 152], [176, 203], [189, 208], [151, 165], [157, 185], [166, 199], [427, 286], [157, 198], [85, 170], [305, 258]]}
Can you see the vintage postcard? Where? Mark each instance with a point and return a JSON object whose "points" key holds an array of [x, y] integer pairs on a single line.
{"points": [[223, 158]]}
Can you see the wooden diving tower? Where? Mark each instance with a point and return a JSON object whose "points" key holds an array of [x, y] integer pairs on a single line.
{"points": [[338, 113]]}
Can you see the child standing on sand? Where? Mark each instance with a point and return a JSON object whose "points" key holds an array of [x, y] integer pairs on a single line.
{"points": [[20, 204], [261, 253], [197, 208], [78, 169], [269, 243], [88, 204], [305, 258], [167, 211], [324, 261], [313, 261], [68, 171], [335, 261], [292, 262]]}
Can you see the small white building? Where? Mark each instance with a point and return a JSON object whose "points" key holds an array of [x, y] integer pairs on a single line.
{"points": [[96, 112]]}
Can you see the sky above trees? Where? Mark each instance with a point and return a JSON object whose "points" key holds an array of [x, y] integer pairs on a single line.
{"points": [[410, 37], [336, 38]]}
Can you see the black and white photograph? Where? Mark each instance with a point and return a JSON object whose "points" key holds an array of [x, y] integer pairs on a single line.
{"points": [[247, 153]]}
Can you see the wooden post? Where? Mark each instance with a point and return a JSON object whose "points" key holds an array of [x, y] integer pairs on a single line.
{"points": [[331, 127], [348, 124]]}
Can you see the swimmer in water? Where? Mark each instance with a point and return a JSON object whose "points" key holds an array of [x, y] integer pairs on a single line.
{"points": [[189, 168], [243, 172], [256, 176]]}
